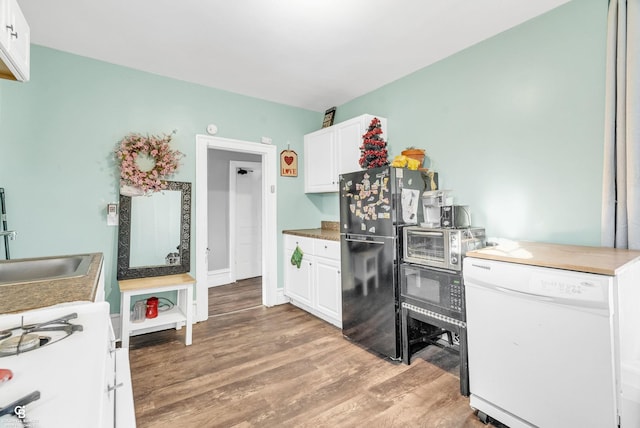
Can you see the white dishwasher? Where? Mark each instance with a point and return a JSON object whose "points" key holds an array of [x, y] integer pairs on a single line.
{"points": [[540, 344]]}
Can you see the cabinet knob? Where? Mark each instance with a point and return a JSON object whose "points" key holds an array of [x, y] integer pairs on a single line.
{"points": [[11, 32]]}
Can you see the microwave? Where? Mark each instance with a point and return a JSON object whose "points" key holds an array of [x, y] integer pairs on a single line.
{"points": [[441, 293], [440, 248]]}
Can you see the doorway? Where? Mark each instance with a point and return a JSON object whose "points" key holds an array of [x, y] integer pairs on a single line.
{"points": [[268, 250], [245, 219]]}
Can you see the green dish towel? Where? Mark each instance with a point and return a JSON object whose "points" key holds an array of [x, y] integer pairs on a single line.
{"points": [[296, 257]]}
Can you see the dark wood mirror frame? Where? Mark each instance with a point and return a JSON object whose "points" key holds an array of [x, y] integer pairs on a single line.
{"points": [[124, 238]]}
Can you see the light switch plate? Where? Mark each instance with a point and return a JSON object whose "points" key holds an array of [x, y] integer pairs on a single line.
{"points": [[112, 215]]}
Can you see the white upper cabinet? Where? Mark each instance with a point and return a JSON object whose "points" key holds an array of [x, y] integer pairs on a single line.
{"points": [[320, 161], [335, 150], [15, 42]]}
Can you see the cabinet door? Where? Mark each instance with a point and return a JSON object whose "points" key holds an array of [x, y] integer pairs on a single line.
{"points": [[297, 280], [5, 24], [20, 39], [108, 388], [125, 415], [328, 289], [348, 142], [319, 162], [15, 40]]}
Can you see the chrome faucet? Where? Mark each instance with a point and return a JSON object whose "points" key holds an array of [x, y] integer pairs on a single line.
{"points": [[10, 233]]}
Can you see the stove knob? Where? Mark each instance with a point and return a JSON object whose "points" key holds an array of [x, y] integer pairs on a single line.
{"points": [[5, 375], [454, 260]]}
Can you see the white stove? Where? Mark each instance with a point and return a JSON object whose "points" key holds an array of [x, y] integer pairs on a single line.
{"points": [[59, 370]]}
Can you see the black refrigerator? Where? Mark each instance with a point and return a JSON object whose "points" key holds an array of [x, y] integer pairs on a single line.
{"points": [[374, 206]]}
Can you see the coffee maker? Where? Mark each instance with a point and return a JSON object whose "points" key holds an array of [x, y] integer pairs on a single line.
{"points": [[440, 212], [455, 216], [432, 203]]}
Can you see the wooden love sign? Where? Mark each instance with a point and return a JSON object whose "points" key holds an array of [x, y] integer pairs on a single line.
{"points": [[288, 163]]}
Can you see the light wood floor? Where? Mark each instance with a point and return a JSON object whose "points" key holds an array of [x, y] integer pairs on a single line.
{"points": [[235, 297], [282, 367]]}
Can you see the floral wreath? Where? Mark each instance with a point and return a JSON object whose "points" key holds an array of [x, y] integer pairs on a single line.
{"points": [[157, 150]]}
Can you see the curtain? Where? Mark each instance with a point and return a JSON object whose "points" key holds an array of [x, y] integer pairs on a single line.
{"points": [[621, 178]]}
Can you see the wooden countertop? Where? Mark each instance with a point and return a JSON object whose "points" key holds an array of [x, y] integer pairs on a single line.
{"points": [[599, 260], [330, 235], [329, 230], [155, 282], [39, 294]]}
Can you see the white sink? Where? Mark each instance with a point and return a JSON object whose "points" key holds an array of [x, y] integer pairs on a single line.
{"points": [[43, 268]]}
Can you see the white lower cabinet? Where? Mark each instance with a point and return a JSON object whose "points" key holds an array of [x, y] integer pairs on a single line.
{"points": [[108, 392], [82, 379], [299, 282], [125, 415], [117, 405], [315, 286], [328, 298]]}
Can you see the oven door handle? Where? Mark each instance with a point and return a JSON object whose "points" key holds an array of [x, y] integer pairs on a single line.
{"points": [[427, 233], [11, 408]]}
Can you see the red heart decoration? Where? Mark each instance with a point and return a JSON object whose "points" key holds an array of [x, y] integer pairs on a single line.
{"points": [[288, 159]]}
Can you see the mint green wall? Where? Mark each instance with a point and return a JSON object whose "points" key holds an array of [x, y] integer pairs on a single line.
{"points": [[514, 125], [58, 131]]}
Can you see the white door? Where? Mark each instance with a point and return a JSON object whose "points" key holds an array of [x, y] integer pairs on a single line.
{"points": [[248, 219]]}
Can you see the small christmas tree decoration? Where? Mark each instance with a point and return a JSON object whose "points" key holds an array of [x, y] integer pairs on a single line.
{"points": [[374, 148]]}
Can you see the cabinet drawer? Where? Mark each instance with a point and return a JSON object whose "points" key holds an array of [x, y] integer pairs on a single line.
{"points": [[305, 244], [327, 249]]}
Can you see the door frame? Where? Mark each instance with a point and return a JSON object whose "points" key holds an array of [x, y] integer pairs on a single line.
{"points": [[233, 175], [269, 217]]}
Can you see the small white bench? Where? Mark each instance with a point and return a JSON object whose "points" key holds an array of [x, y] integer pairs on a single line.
{"points": [[181, 314]]}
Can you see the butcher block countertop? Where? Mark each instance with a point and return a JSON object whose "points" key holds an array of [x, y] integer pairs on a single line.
{"points": [[599, 260], [329, 230], [39, 294]]}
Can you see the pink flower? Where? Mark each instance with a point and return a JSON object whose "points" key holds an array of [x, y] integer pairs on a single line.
{"points": [[166, 160]]}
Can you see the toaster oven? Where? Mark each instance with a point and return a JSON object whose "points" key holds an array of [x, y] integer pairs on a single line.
{"points": [[440, 248]]}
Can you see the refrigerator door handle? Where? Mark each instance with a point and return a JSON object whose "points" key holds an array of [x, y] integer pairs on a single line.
{"points": [[365, 241]]}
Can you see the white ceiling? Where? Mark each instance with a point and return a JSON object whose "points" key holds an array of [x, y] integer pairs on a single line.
{"points": [[312, 54]]}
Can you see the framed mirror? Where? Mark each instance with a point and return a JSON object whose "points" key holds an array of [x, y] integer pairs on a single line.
{"points": [[154, 235]]}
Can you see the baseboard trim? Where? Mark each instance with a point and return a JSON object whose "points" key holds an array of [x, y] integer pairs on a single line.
{"points": [[281, 299], [218, 277]]}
